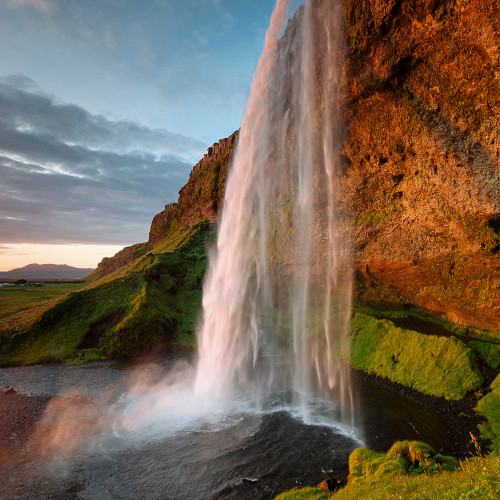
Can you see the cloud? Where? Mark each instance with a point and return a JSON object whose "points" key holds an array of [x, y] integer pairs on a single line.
{"points": [[24, 108], [6, 250], [10, 251], [44, 6], [68, 176]]}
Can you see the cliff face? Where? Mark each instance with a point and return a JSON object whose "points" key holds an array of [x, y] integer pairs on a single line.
{"points": [[421, 156], [199, 200], [202, 197], [421, 152], [125, 256]]}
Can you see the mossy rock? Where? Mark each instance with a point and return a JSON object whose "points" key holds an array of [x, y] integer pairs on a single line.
{"points": [[404, 457], [360, 459], [489, 407], [489, 353], [413, 452], [437, 366]]}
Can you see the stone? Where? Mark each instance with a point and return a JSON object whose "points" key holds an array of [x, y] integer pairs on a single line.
{"points": [[331, 484]]}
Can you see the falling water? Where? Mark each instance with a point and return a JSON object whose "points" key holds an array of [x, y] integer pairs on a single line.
{"points": [[276, 298]]}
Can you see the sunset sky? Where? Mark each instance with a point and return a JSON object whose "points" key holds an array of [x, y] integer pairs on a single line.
{"points": [[105, 106]]}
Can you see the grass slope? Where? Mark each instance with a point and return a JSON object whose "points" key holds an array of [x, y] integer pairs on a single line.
{"points": [[437, 366], [155, 299], [17, 299]]}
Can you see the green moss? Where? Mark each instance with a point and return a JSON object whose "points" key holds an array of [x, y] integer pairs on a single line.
{"points": [[411, 451], [87, 356], [489, 353], [361, 462], [404, 457], [369, 218], [452, 327], [489, 407], [438, 366]]}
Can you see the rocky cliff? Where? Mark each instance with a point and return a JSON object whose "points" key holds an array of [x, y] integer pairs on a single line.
{"points": [[199, 201], [420, 160], [202, 197], [421, 156]]}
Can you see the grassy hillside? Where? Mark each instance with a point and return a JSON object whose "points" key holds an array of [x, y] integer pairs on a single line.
{"points": [[16, 299], [148, 294], [153, 300]]}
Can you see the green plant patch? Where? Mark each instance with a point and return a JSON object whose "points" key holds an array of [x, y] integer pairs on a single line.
{"points": [[412, 470], [452, 327], [367, 219], [304, 493], [489, 407], [489, 353], [404, 457], [87, 356], [438, 366]]}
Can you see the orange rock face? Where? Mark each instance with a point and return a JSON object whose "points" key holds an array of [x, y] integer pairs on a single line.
{"points": [[422, 152], [202, 197]]}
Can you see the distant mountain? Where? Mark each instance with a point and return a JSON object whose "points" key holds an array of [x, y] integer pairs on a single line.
{"points": [[46, 271]]}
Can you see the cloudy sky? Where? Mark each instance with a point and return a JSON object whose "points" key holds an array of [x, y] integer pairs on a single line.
{"points": [[105, 106]]}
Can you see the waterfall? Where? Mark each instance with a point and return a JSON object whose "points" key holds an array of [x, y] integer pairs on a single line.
{"points": [[276, 297]]}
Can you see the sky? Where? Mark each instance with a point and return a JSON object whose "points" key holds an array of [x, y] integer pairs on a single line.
{"points": [[105, 106]]}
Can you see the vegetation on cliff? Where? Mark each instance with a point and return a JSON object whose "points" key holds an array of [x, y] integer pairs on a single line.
{"points": [[475, 477], [437, 366], [154, 300]]}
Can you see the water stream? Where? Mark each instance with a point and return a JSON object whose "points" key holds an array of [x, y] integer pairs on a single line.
{"points": [[276, 298]]}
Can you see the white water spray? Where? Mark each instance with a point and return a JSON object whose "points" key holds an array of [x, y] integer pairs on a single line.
{"points": [[276, 298]]}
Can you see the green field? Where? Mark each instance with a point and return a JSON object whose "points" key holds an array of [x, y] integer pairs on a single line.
{"points": [[476, 477], [14, 300]]}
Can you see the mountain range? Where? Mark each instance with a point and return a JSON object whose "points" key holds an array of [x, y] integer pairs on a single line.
{"points": [[45, 271]]}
